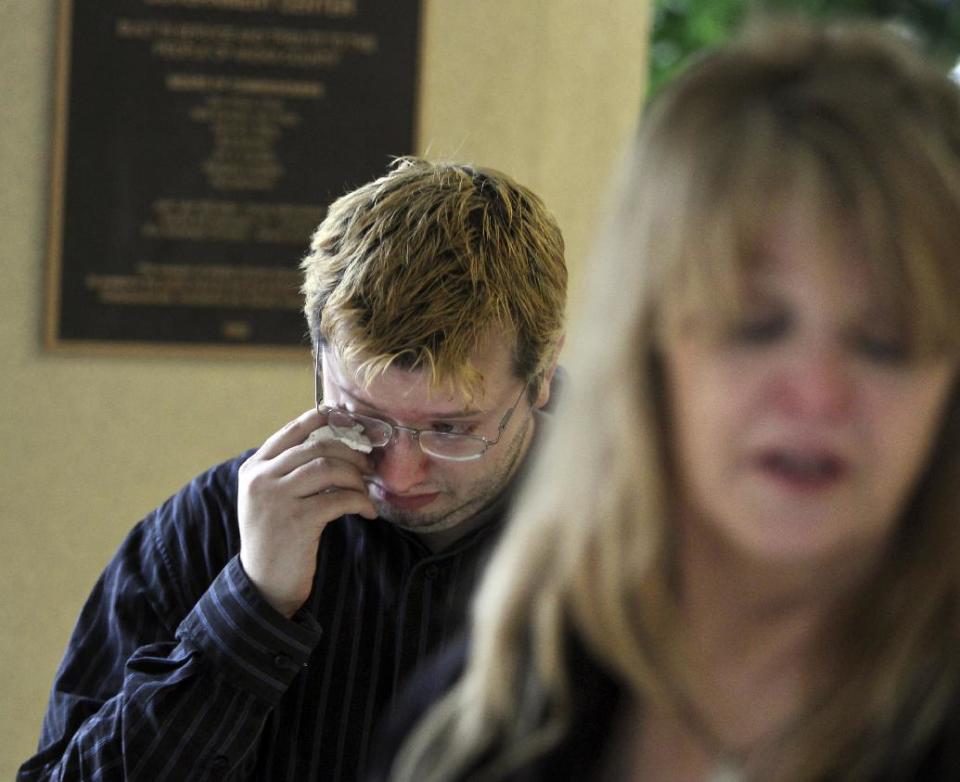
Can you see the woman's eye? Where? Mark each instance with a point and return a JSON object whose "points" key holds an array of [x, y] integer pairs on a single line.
{"points": [[758, 330], [883, 350]]}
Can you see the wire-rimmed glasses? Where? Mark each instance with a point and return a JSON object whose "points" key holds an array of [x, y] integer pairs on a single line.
{"points": [[455, 446]]}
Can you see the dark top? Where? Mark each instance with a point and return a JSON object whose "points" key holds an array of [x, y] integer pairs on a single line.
{"points": [[597, 700], [179, 670]]}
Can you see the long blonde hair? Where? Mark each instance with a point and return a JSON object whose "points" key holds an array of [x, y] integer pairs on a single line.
{"points": [[852, 123]]}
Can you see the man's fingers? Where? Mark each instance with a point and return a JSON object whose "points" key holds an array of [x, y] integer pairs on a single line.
{"points": [[340, 502], [321, 474], [332, 448], [294, 433], [329, 451]]}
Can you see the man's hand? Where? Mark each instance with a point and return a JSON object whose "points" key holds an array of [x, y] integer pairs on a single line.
{"points": [[290, 489]]}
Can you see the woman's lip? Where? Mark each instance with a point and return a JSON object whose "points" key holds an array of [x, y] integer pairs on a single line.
{"points": [[802, 471]]}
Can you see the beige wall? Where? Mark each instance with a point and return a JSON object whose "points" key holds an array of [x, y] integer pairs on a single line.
{"points": [[544, 89]]}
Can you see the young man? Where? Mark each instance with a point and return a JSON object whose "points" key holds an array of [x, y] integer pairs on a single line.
{"points": [[258, 623]]}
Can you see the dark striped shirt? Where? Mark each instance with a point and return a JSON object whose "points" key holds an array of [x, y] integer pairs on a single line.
{"points": [[179, 670]]}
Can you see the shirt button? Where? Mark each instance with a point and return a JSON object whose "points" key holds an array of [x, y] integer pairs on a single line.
{"points": [[281, 661], [220, 761], [431, 572]]}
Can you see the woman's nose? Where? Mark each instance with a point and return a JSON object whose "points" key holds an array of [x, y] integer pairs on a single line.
{"points": [[819, 383]]}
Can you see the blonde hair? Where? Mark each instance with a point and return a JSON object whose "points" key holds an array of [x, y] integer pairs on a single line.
{"points": [[849, 123], [417, 268]]}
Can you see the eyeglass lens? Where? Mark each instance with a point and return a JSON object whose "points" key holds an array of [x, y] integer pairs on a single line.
{"points": [[442, 444]]}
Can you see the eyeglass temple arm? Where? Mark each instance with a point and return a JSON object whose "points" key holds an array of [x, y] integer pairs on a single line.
{"points": [[509, 414]]}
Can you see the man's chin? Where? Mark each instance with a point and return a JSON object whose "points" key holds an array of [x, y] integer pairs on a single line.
{"points": [[417, 522], [421, 523]]}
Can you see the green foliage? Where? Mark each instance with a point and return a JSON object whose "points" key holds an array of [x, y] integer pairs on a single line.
{"points": [[682, 27]]}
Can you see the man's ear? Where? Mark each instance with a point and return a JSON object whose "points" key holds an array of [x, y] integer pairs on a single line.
{"points": [[546, 383]]}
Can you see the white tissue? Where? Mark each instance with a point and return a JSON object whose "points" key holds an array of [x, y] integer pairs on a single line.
{"points": [[353, 438]]}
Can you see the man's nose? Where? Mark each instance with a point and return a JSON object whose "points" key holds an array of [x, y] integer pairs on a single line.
{"points": [[401, 464]]}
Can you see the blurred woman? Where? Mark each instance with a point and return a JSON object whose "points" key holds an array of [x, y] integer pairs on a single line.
{"points": [[739, 555]]}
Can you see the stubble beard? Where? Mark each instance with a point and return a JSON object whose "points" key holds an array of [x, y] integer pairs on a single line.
{"points": [[480, 494]]}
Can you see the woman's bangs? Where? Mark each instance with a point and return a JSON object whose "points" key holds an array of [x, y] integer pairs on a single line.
{"points": [[911, 255], [727, 226]]}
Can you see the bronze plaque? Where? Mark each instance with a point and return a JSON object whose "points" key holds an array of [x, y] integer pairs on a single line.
{"points": [[197, 143]]}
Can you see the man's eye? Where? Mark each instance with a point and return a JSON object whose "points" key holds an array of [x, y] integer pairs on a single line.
{"points": [[448, 428], [340, 418]]}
